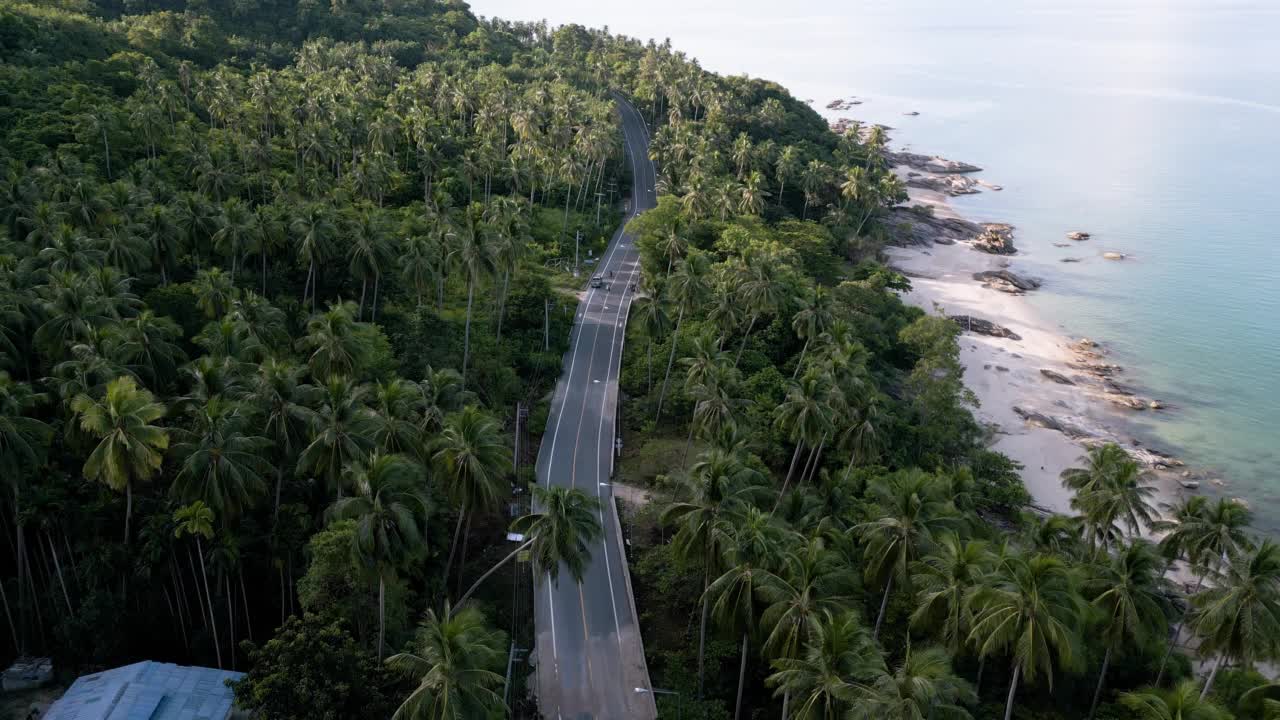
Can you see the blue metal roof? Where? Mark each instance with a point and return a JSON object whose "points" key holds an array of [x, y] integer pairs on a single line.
{"points": [[148, 691]]}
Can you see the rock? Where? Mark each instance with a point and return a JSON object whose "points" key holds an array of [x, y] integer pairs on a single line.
{"points": [[953, 185], [912, 226], [1133, 403], [930, 163], [1056, 376], [996, 238], [1186, 473], [1078, 235], [1189, 484], [997, 188], [1218, 482], [1004, 276], [1070, 260], [1114, 255], [986, 366], [983, 327], [1155, 405], [1039, 419], [912, 113], [1119, 388], [1062, 244], [1001, 368]]}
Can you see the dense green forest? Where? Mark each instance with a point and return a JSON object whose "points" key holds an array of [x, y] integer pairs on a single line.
{"points": [[275, 276]]}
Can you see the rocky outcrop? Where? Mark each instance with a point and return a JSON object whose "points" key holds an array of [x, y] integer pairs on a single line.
{"points": [[910, 226], [1039, 419], [983, 327], [1070, 260], [1007, 281], [1114, 255], [996, 238], [1056, 376], [930, 163], [1078, 235], [911, 113], [953, 185]]}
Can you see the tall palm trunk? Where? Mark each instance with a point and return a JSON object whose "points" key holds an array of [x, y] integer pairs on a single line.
{"points": [[106, 151], [1102, 677], [128, 509], [1177, 632], [364, 288], [743, 346], [453, 547], [884, 604], [382, 614], [1208, 684], [742, 676], [702, 624], [790, 471], [675, 337], [502, 299], [57, 566], [800, 361], [213, 622], [466, 335], [1013, 690], [467, 595], [377, 284], [13, 629]]}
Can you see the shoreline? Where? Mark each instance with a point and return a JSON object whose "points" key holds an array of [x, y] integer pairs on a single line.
{"points": [[1047, 397]]}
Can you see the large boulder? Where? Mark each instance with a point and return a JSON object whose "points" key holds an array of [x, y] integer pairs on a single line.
{"points": [[996, 238], [996, 278], [983, 327], [917, 226], [930, 163], [1056, 376]]}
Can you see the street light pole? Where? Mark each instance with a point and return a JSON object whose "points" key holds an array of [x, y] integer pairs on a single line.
{"points": [[657, 691], [577, 237]]}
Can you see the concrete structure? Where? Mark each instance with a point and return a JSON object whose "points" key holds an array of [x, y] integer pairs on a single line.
{"points": [[148, 691]]}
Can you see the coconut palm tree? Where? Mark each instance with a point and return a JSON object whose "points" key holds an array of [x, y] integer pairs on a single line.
{"points": [[146, 345], [315, 233], [474, 256], [23, 443], [805, 415], [922, 686], [945, 582], [1031, 608], [764, 289], [453, 658], [237, 233], [717, 489], [214, 291], [650, 313], [786, 167], [815, 317], [196, 520], [911, 514], [332, 345], [389, 507], [754, 547], [558, 533], [396, 418], [369, 253], [341, 431], [1110, 491], [131, 447], [823, 679], [1237, 617], [473, 460], [281, 406], [686, 288], [1182, 702], [811, 581], [1129, 592], [221, 462]]}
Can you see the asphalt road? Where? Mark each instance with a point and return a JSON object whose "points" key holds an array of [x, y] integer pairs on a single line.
{"points": [[590, 659]]}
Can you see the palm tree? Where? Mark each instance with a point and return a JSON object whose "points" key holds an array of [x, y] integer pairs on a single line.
{"points": [[341, 431], [389, 506], [805, 415], [1208, 536], [686, 288], [1182, 702], [23, 443], [396, 420], [146, 344], [1111, 489], [1131, 597], [815, 316], [787, 166], [130, 448], [921, 686], [651, 314], [214, 291], [753, 194], [281, 407], [196, 520], [754, 546], [911, 514], [811, 581], [369, 254], [474, 258], [237, 232], [419, 264], [822, 680], [452, 658], [315, 232], [221, 462], [945, 583], [763, 289], [332, 344], [558, 533], [473, 459], [717, 488], [1031, 608], [1238, 616]]}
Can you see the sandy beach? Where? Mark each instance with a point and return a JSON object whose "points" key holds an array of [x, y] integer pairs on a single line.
{"points": [[1006, 373]]}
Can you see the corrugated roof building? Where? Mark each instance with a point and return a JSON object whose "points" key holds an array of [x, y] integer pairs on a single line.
{"points": [[148, 691]]}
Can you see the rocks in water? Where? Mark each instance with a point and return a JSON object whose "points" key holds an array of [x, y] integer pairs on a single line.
{"points": [[843, 104], [1128, 401], [983, 327], [1190, 484], [953, 185], [1001, 368], [1114, 255], [930, 163], [1006, 281], [1078, 235], [1039, 419], [1097, 369], [1155, 405], [996, 238], [1062, 244], [1070, 260], [911, 113], [1056, 376]]}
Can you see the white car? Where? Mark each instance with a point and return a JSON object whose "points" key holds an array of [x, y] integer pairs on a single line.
{"points": [[597, 281]]}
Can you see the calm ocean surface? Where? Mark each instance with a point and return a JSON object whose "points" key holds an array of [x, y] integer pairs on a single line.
{"points": [[1153, 125]]}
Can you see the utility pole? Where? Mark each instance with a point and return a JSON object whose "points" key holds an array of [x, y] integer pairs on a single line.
{"points": [[577, 239], [613, 187], [546, 325], [599, 197]]}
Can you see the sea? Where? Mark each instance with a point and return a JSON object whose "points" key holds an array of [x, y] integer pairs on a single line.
{"points": [[1154, 125]]}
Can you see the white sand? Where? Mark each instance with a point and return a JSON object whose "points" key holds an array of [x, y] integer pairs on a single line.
{"points": [[942, 278]]}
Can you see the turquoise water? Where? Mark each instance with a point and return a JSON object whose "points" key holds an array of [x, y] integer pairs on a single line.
{"points": [[1152, 125]]}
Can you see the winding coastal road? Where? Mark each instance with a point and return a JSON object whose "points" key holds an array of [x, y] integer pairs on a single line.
{"points": [[590, 659]]}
